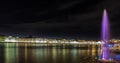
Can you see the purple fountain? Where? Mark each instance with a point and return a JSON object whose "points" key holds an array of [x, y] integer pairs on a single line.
{"points": [[105, 34], [105, 28]]}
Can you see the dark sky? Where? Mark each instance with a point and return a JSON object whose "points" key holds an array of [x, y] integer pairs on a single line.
{"points": [[72, 18]]}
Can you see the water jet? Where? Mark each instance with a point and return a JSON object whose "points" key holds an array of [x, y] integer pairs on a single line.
{"points": [[105, 37]]}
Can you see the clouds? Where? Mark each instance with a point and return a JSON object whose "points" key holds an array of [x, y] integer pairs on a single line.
{"points": [[30, 11], [78, 16]]}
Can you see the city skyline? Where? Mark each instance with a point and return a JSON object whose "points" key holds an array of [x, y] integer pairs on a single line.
{"points": [[60, 31]]}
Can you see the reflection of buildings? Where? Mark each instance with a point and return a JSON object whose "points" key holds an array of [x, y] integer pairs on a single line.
{"points": [[9, 55]]}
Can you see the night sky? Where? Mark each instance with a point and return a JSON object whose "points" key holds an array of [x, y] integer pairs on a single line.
{"points": [[58, 18]]}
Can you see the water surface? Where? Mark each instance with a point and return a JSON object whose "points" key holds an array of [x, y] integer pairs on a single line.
{"points": [[52, 55]]}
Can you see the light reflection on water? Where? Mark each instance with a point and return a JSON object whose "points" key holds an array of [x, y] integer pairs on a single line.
{"points": [[51, 55]]}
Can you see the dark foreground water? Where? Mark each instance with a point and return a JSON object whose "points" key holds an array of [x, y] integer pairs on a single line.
{"points": [[52, 55]]}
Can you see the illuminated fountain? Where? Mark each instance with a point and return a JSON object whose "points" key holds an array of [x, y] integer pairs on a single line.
{"points": [[105, 36]]}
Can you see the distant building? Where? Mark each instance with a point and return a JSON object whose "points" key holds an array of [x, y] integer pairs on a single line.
{"points": [[2, 38]]}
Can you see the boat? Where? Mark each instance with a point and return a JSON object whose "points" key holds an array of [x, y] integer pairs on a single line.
{"points": [[115, 48]]}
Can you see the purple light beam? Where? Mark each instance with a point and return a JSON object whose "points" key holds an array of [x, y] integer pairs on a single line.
{"points": [[105, 27], [105, 37]]}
